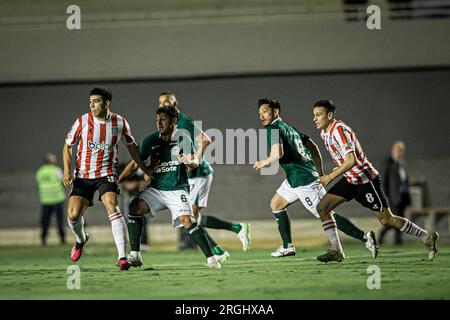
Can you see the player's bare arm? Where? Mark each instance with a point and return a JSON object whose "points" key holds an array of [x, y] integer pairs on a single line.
{"points": [[191, 161], [203, 141], [316, 155], [348, 163], [276, 153], [128, 171], [134, 153], [67, 162]]}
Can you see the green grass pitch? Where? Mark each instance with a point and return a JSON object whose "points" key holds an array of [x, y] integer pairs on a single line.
{"points": [[41, 273]]}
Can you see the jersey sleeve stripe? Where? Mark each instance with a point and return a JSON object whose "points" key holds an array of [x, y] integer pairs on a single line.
{"points": [[127, 132], [74, 133]]}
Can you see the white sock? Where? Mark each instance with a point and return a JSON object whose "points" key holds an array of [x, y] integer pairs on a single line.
{"points": [[119, 231], [329, 226], [413, 229], [77, 228]]}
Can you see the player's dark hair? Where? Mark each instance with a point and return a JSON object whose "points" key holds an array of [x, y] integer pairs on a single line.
{"points": [[171, 111], [102, 91], [327, 104], [273, 104]]}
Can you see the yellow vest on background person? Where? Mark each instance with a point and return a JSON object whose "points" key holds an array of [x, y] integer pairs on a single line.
{"points": [[49, 179]]}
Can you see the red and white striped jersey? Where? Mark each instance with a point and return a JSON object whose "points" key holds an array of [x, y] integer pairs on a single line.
{"points": [[341, 140], [97, 153]]}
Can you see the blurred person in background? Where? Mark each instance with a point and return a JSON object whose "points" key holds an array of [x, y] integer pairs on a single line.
{"points": [[396, 185], [49, 178]]}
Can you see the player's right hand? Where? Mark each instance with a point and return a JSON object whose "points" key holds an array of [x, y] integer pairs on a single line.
{"points": [[67, 181]]}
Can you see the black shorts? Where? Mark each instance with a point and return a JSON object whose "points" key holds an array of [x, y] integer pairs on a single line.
{"points": [[86, 187], [369, 194]]}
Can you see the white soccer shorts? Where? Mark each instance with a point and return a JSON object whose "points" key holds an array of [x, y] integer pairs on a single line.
{"points": [[200, 190], [310, 195], [177, 201]]}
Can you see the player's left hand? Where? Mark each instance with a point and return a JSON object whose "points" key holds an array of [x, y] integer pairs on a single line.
{"points": [[325, 180], [260, 164], [185, 159]]}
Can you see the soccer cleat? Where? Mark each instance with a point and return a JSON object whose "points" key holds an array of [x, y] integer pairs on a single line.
{"points": [[430, 243], [371, 243], [222, 257], [244, 236], [213, 263], [135, 258], [77, 249], [283, 252], [124, 264], [331, 255]]}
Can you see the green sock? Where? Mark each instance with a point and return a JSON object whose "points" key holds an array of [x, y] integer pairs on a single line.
{"points": [[284, 227], [347, 227], [216, 249], [216, 223], [198, 235], [135, 226]]}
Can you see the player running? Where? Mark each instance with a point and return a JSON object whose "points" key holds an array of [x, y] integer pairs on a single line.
{"points": [[170, 155], [300, 158], [97, 134], [200, 180], [360, 181]]}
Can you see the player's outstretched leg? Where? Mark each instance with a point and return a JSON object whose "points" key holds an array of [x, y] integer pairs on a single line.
{"points": [[118, 227], [324, 208], [241, 229], [138, 208], [284, 228], [198, 235], [368, 238], [220, 254], [135, 227], [75, 209], [429, 239], [77, 249], [119, 231]]}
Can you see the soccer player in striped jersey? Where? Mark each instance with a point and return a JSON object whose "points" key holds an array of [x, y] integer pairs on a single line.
{"points": [[360, 181], [200, 180], [300, 158], [97, 134], [170, 153]]}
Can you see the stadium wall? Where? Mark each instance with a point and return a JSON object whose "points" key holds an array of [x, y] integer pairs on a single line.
{"points": [[380, 106], [107, 48]]}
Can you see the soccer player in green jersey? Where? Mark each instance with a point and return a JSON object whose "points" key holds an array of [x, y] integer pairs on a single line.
{"points": [[200, 180], [300, 158], [169, 154]]}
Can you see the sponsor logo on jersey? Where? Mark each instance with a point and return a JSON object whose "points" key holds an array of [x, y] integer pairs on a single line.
{"points": [[98, 146], [167, 166]]}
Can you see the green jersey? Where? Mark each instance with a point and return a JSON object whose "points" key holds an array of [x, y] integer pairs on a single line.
{"points": [[297, 160], [49, 179], [170, 174], [186, 123]]}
